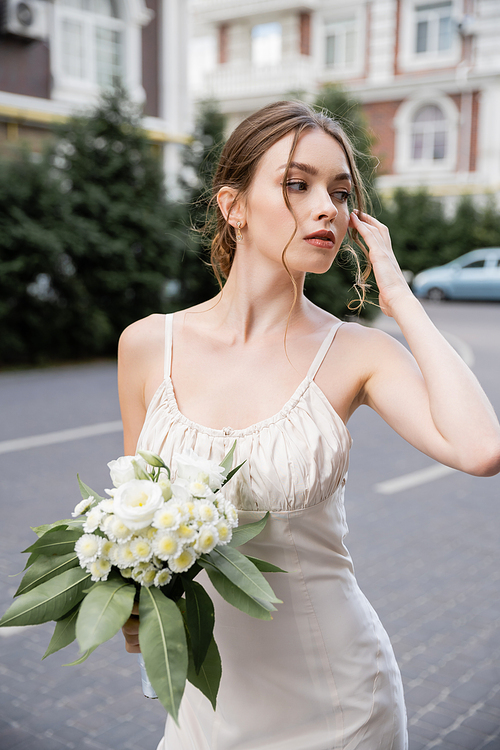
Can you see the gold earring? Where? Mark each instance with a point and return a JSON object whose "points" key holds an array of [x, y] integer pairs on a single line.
{"points": [[239, 236]]}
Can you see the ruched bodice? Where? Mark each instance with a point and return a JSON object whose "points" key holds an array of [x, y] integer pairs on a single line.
{"points": [[321, 675]]}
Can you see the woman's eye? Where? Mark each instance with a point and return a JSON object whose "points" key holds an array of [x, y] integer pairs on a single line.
{"points": [[297, 185], [340, 195]]}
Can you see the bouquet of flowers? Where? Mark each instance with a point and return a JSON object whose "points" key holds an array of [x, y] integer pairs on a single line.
{"points": [[146, 543]]}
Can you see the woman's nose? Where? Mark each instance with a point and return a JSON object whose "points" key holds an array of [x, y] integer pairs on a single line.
{"points": [[325, 207]]}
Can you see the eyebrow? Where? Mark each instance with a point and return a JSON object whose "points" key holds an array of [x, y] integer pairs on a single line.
{"points": [[309, 169]]}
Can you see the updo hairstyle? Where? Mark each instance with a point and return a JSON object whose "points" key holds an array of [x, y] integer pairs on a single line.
{"points": [[239, 160]]}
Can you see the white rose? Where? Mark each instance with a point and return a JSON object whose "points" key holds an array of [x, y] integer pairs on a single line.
{"points": [[194, 468], [136, 502], [122, 469]]}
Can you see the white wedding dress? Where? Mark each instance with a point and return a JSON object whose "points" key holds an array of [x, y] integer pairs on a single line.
{"points": [[322, 674]]}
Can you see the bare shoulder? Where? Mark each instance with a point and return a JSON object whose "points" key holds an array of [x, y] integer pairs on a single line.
{"points": [[143, 336]]}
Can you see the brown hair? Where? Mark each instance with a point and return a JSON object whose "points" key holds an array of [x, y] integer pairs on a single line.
{"points": [[238, 163]]}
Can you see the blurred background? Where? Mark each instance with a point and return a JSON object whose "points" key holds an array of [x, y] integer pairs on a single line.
{"points": [[112, 116]]}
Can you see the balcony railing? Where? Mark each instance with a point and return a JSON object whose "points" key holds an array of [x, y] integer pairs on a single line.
{"points": [[240, 80], [213, 11]]}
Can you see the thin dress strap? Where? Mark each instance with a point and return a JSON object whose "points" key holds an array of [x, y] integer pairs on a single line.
{"points": [[322, 351], [168, 345]]}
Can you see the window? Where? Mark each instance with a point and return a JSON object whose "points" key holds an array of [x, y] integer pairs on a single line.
{"points": [[266, 44], [475, 264], [429, 134], [433, 29], [92, 41], [341, 44]]}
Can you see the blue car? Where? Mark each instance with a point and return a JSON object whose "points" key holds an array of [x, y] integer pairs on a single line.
{"points": [[475, 275]]}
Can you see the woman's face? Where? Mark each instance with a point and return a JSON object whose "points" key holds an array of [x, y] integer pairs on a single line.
{"points": [[318, 186]]}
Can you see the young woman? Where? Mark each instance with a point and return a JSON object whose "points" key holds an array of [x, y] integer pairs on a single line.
{"points": [[262, 365]]}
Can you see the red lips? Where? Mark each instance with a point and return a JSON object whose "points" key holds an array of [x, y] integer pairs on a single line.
{"points": [[322, 234]]}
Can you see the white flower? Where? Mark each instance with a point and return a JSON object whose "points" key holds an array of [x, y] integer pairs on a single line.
{"points": [[82, 506], [229, 512], [180, 490], [207, 512], [107, 505], [170, 516], [162, 577], [122, 469], [126, 572], [123, 556], [115, 529], [194, 468], [166, 544], [182, 562], [136, 502], [144, 574], [141, 548], [88, 548], [166, 487], [186, 532], [225, 531], [99, 569], [107, 548], [199, 489], [94, 518], [207, 539]]}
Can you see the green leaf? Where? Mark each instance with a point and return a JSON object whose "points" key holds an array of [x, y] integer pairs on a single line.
{"points": [[228, 458], [264, 566], [57, 541], [163, 644], [44, 568], [241, 571], [64, 633], [87, 491], [243, 534], [235, 596], [233, 472], [207, 678], [64, 524], [49, 601], [82, 658], [200, 617], [103, 612]]}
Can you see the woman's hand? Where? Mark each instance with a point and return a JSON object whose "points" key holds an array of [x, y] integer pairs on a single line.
{"points": [[131, 632], [391, 283]]}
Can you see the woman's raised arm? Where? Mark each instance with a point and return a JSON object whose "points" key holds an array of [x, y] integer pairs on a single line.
{"points": [[434, 401]]}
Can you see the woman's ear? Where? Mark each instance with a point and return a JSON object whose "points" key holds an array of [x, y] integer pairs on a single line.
{"points": [[230, 205]]}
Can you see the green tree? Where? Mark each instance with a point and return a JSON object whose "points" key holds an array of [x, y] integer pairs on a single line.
{"points": [[87, 243], [196, 281]]}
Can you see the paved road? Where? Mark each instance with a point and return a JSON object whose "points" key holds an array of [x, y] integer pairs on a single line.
{"points": [[427, 557]]}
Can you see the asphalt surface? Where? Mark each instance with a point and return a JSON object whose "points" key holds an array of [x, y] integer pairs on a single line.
{"points": [[427, 557]]}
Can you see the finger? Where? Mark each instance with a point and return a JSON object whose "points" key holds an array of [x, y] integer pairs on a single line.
{"points": [[130, 649]]}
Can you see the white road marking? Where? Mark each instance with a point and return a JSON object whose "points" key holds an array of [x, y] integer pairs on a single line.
{"points": [[436, 471], [407, 481], [61, 436]]}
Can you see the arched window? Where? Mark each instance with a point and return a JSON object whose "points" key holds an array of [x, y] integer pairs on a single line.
{"points": [[91, 33], [429, 134]]}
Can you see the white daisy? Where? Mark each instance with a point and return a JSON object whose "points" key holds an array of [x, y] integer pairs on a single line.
{"points": [[124, 556], [162, 577], [88, 548], [207, 539], [225, 531], [166, 544], [99, 569], [106, 505], [183, 561], [144, 574], [207, 512], [82, 506], [170, 516], [141, 549], [94, 518]]}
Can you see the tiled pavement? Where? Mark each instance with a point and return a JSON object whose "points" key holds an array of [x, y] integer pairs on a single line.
{"points": [[427, 558]]}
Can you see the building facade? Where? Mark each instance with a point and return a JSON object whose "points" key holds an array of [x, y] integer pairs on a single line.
{"points": [[56, 56], [426, 71]]}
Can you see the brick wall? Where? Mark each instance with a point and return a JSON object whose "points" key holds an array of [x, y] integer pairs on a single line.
{"points": [[380, 117]]}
